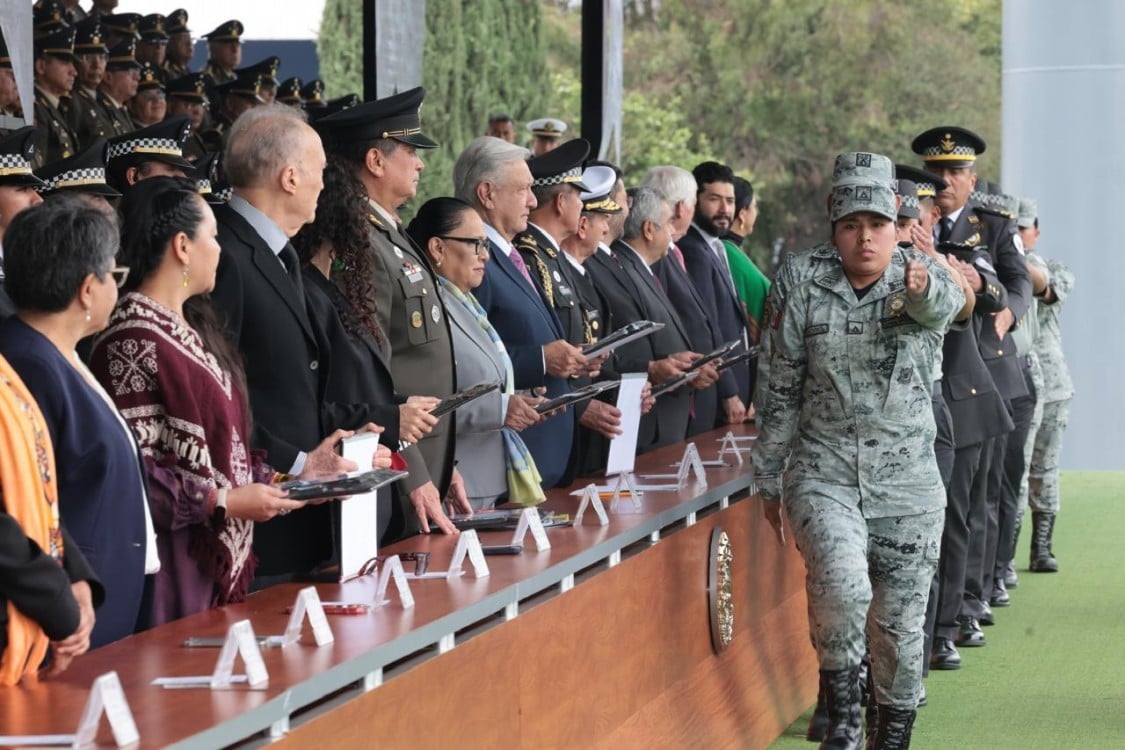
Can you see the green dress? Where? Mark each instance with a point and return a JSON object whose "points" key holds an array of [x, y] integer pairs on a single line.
{"points": [[750, 283]]}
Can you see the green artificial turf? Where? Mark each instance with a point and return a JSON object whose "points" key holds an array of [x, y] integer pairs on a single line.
{"points": [[1053, 672]]}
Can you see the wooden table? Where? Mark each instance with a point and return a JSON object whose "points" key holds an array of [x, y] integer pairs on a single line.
{"points": [[603, 641]]}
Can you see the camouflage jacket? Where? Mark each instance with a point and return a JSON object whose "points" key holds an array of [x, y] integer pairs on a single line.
{"points": [[1057, 384], [848, 395]]}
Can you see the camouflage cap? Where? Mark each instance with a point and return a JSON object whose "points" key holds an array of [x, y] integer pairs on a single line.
{"points": [[863, 182], [1028, 213]]}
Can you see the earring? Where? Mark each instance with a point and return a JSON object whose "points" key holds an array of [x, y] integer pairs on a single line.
{"points": [[338, 265], [87, 315], [185, 277], [437, 264]]}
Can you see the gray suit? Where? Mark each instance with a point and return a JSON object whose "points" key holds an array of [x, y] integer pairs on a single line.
{"points": [[480, 447]]}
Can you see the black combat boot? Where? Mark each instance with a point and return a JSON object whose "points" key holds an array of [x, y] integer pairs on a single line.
{"points": [[1042, 560], [895, 725], [818, 724], [845, 723]]}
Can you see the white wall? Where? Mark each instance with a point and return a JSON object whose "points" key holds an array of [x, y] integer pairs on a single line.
{"points": [[1064, 144]]}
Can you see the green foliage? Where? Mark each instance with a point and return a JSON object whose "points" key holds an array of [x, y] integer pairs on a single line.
{"points": [[340, 47]]}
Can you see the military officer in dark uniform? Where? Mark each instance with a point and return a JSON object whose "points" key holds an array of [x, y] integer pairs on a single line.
{"points": [[180, 47], [312, 95], [379, 141], [120, 26], [224, 47], [187, 96], [86, 117], [122, 76], [54, 79], [950, 152], [82, 174], [153, 45], [48, 16], [237, 96], [9, 92], [266, 70], [150, 104], [289, 92], [149, 152]]}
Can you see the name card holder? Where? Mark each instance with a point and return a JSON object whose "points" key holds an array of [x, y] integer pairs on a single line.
{"points": [[690, 464], [106, 697], [393, 570], [468, 545], [240, 642], [531, 521], [307, 605], [625, 485], [729, 445], [591, 499]]}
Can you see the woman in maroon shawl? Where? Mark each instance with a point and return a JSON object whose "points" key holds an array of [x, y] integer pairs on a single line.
{"points": [[179, 384]]}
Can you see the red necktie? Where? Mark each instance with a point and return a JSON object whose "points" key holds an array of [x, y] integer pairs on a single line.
{"points": [[517, 261]]}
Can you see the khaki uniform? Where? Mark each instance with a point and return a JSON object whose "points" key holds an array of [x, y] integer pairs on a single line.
{"points": [[847, 419], [52, 117], [89, 118], [411, 312]]}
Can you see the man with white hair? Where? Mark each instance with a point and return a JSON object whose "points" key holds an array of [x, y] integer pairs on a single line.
{"points": [[492, 175], [696, 307]]}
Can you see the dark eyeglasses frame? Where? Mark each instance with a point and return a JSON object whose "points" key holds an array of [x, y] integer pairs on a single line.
{"points": [[480, 243]]}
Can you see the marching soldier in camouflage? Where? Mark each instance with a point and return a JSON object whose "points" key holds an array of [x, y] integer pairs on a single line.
{"points": [[847, 419], [1055, 394]]}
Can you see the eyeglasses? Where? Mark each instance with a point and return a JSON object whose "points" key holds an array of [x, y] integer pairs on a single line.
{"points": [[480, 244], [119, 274]]}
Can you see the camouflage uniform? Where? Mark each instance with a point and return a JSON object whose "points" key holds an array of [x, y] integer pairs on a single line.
{"points": [[848, 392], [1056, 394], [1029, 328]]}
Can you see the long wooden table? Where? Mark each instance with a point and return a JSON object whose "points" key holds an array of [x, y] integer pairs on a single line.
{"points": [[603, 641]]}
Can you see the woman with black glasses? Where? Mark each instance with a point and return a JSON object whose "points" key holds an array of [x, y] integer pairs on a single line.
{"points": [[60, 273]]}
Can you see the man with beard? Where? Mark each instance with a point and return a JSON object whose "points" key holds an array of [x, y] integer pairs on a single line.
{"points": [[705, 258]]}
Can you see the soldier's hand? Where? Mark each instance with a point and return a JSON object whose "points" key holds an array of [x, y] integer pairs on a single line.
{"points": [[594, 366], [563, 359], [772, 513], [1003, 321], [917, 278], [922, 240], [970, 273]]}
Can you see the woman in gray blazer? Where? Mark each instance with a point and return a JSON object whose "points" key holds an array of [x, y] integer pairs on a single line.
{"points": [[491, 457]]}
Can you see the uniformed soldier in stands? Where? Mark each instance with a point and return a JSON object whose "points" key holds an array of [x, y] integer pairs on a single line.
{"points": [[546, 134], [86, 116], [237, 96], [312, 95], [187, 96], [9, 92], [178, 55], [149, 105], [149, 152], [48, 16], [289, 92], [224, 46], [54, 79], [83, 174], [153, 45], [332, 106], [266, 70], [122, 75], [119, 27]]}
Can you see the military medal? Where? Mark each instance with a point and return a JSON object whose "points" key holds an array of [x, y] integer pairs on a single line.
{"points": [[416, 319], [435, 313]]}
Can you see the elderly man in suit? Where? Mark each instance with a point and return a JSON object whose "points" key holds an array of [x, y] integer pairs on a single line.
{"points": [[493, 176], [275, 163], [380, 142]]}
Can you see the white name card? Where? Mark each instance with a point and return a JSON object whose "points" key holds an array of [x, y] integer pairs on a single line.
{"points": [[468, 545], [240, 641], [530, 520], [625, 485], [393, 571], [591, 499], [308, 606], [730, 446], [106, 697]]}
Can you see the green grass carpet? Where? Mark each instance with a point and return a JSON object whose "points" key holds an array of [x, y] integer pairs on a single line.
{"points": [[1053, 672]]}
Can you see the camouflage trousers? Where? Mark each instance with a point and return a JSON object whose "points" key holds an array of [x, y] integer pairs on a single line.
{"points": [[867, 581], [1032, 430], [1043, 494]]}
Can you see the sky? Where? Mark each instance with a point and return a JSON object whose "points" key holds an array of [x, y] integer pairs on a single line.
{"points": [[263, 19]]}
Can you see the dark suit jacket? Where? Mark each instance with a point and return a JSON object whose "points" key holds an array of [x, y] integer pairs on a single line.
{"points": [[358, 372], [975, 227], [100, 477], [669, 418], [281, 345], [712, 280], [697, 314], [524, 323]]}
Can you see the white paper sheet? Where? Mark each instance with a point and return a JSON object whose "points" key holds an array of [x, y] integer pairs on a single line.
{"points": [[359, 517], [623, 447]]}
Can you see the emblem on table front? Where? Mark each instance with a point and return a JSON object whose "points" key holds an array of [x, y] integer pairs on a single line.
{"points": [[720, 589]]}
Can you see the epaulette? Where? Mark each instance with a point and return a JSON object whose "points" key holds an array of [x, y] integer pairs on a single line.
{"points": [[371, 217], [824, 251], [993, 211], [526, 241]]}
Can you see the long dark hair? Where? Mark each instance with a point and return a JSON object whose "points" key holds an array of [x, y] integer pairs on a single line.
{"points": [[437, 217], [154, 211], [341, 223]]}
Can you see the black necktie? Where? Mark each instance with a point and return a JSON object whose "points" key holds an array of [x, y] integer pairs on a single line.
{"points": [[945, 230], [292, 266]]}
